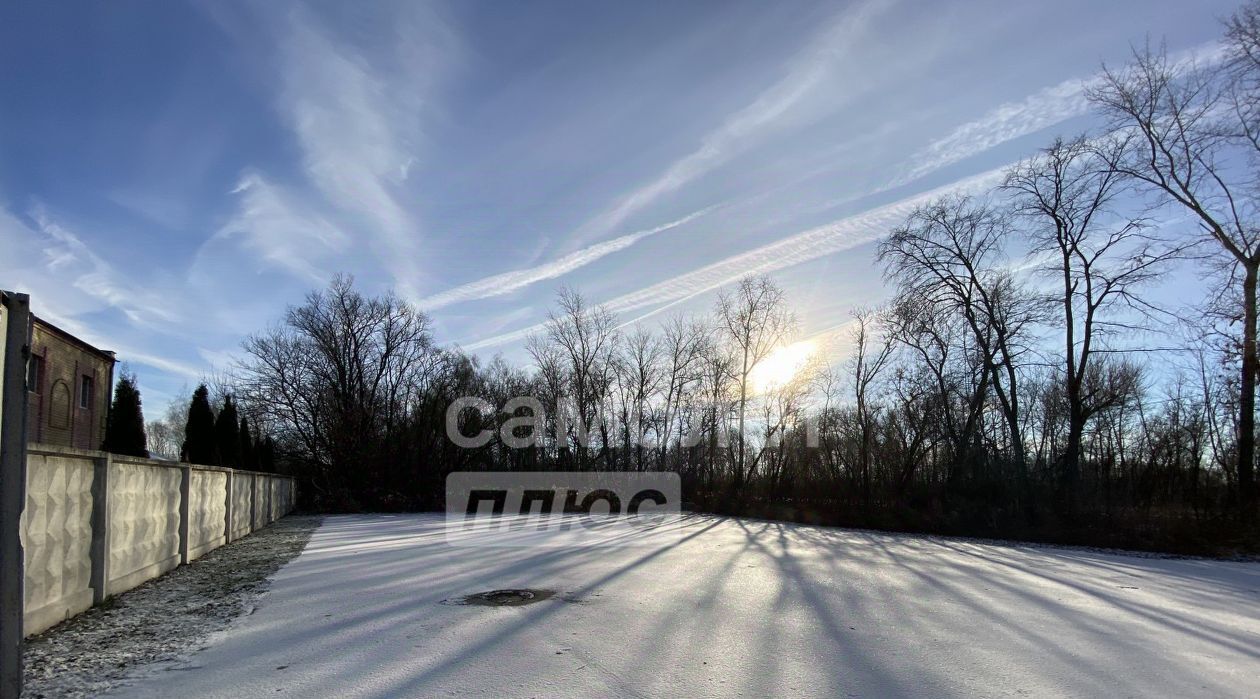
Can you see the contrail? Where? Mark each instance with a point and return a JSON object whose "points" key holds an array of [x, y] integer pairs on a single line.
{"points": [[507, 282], [843, 234], [813, 66], [1040, 110]]}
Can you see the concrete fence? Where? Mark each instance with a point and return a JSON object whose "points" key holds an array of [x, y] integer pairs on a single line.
{"points": [[96, 524]]}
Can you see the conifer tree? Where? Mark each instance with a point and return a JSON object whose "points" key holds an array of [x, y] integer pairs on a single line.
{"points": [[199, 433], [124, 431], [249, 450], [227, 434], [267, 456]]}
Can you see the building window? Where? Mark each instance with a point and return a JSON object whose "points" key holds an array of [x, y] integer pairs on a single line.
{"points": [[59, 405], [35, 374], [85, 393]]}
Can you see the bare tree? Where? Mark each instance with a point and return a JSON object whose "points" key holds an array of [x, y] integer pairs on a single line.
{"points": [[755, 320], [715, 405], [946, 254], [1178, 129], [338, 376], [1242, 75], [872, 350], [938, 345], [783, 409], [1065, 196], [166, 434], [639, 377], [586, 338], [551, 381], [683, 344]]}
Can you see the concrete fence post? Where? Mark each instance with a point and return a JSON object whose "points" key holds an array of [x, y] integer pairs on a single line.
{"points": [[185, 481], [253, 500], [99, 551], [227, 517], [15, 349]]}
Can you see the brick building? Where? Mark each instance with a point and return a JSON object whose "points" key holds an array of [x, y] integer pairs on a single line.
{"points": [[69, 383]]}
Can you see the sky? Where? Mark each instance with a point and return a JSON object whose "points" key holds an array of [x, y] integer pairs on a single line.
{"points": [[173, 175]]}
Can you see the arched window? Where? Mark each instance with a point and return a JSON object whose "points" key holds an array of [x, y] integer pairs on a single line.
{"points": [[59, 405]]}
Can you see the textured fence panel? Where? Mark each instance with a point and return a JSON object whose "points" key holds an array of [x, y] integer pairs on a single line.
{"points": [[267, 493], [143, 523], [207, 511], [94, 525], [57, 536], [261, 496], [286, 495], [241, 515]]}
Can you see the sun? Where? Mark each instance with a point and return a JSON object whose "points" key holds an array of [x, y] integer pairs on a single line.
{"points": [[782, 366]]}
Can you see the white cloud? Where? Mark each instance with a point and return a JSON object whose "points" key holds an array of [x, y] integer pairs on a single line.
{"points": [[46, 306], [1009, 121], [507, 282], [170, 366], [74, 280], [810, 69], [356, 116], [68, 259], [844, 234], [1040, 110], [504, 338], [281, 230], [802, 247]]}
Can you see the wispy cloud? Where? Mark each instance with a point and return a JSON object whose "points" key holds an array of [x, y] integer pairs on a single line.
{"points": [[504, 338], [1009, 121], [67, 257], [810, 69], [127, 354], [281, 230], [843, 234], [846, 233], [1040, 110], [73, 280], [183, 370], [51, 303], [507, 282], [356, 115]]}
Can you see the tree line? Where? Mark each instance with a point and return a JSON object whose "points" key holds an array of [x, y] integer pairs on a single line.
{"points": [[206, 437], [1008, 387], [223, 439]]}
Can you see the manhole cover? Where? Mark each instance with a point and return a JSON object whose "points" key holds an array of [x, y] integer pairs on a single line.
{"points": [[503, 598]]}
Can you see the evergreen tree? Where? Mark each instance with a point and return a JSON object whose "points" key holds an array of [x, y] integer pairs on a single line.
{"points": [[249, 450], [199, 433], [267, 456], [124, 431], [227, 433]]}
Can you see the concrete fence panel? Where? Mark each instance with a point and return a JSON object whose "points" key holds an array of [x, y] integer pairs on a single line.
{"points": [[274, 501], [286, 494], [57, 536], [265, 488], [144, 522], [96, 524], [207, 511], [260, 501], [242, 515], [266, 500]]}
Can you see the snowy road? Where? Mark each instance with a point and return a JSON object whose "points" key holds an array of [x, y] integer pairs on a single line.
{"points": [[738, 608]]}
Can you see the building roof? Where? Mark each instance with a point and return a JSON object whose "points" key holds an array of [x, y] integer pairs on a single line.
{"points": [[104, 354]]}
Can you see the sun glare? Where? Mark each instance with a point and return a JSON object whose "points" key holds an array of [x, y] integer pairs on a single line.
{"points": [[782, 366]]}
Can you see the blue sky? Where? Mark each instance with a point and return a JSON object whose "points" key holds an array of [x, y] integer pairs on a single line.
{"points": [[172, 175]]}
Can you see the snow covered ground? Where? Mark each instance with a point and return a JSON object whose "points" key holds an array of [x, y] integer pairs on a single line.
{"points": [[162, 620], [737, 608]]}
